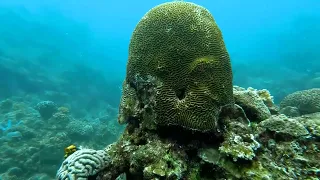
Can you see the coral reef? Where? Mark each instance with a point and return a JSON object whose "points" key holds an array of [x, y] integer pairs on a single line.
{"points": [[178, 68], [184, 120], [307, 101], [281, 153], [35, 146]]}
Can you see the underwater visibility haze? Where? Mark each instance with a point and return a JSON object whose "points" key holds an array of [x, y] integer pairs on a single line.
{"points": [[191, 90]]}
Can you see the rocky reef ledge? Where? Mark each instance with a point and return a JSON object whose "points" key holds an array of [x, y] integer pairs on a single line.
{"points": [[274, 147]]}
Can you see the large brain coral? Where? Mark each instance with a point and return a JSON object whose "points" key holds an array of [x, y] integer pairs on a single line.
{"points": [[178, 55]]}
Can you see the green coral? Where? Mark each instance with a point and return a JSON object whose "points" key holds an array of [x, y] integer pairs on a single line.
{"points": [[179, 45]]}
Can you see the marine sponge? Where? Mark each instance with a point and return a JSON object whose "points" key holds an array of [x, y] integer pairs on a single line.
{"points": [[179, 45], [307, 101], [82, 164]]}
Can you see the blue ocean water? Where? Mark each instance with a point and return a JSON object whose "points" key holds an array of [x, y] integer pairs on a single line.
{"points": [[74, 53]]}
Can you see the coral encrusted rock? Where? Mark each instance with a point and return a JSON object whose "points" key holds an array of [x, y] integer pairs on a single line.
{"points": [[284, 126], [179, 70], [254, 102]]}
